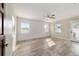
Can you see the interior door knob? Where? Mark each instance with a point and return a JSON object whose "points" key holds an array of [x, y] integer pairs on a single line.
{"points": [[6, 44]]}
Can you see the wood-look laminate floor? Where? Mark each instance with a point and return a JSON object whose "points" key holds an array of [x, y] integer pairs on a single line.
{"points": [[43, 47]]}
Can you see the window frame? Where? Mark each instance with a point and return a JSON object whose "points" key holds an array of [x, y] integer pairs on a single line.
{"points": [[58, 28], [24, 27]]}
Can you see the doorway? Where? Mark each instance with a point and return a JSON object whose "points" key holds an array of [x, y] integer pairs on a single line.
{"points": [[75, 31], [2, 38]]}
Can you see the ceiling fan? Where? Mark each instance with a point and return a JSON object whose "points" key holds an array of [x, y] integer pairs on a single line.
{"points": [[50, 16]]}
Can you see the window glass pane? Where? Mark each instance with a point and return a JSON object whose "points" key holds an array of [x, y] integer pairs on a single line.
{"points": [[46, 27], [58, 28], [25, 27]]}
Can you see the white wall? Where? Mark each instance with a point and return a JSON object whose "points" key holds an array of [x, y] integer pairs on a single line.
{"points": [[36, 29], [65, 28]]}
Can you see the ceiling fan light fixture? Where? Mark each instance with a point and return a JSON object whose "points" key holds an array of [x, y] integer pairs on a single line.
{"points": [[52, 16]]}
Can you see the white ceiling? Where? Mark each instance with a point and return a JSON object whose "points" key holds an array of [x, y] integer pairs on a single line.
{"points": [[40, 10]]}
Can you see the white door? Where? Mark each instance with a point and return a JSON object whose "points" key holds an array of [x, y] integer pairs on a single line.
{"points": [[9, 35]]}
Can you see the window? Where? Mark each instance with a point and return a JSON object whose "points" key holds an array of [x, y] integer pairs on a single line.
{"points": [[25, 27], [46, 27], [58, 28]]}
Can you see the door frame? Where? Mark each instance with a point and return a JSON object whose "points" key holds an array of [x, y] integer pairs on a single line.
{"points": [[2, 25]]}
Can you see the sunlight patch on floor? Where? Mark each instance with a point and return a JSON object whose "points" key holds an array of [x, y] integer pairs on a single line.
{"points": [[50, 42]]}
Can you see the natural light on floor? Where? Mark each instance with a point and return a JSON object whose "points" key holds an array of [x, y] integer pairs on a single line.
{"points": [[50, 42]]}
